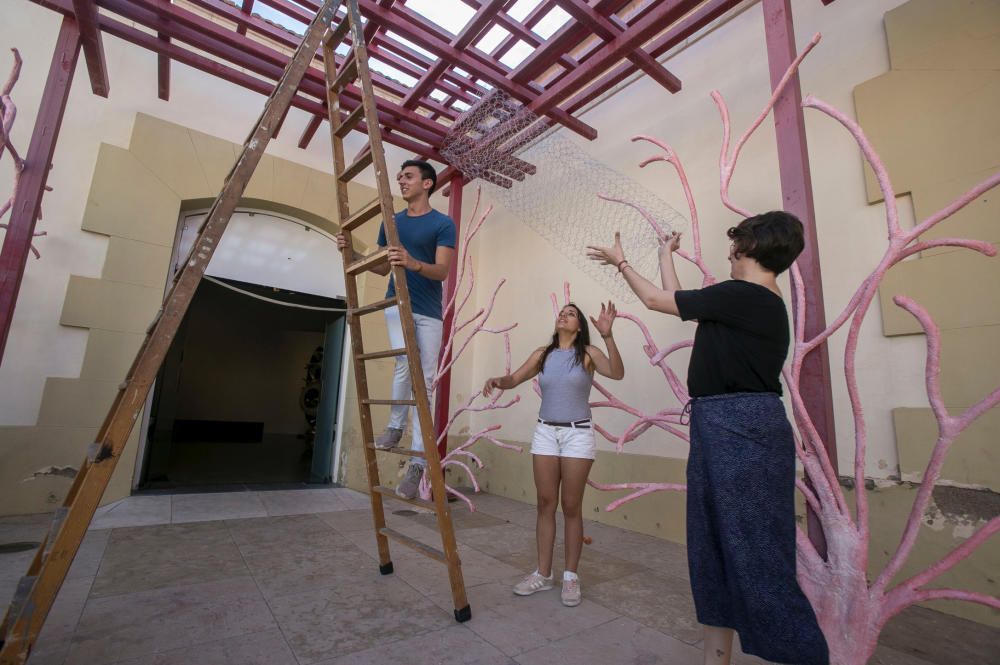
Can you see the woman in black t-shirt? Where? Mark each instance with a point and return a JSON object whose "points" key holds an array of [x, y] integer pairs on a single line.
{"points": [[741, 469]]}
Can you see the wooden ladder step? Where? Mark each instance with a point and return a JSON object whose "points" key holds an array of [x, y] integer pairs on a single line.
{"points": [[389, 402], [399, 451], [377, 355], [377, 306], [360, 164], [336, 35], [417, 501], [347, 73], [350, 122], [413, 543], [369, 262], [368, 211]]}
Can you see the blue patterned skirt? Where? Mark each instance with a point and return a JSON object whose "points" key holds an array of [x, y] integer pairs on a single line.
{"points": [[741, 527]]}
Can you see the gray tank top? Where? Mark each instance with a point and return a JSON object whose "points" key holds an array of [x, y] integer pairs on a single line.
{"points": [[565, 388]]}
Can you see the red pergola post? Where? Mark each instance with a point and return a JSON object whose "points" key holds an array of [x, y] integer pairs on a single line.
{"points": [[24, 213], [442, 407], [797, 195]]}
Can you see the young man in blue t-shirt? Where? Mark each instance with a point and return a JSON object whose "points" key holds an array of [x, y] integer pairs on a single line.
{"points": [[427, 239]]}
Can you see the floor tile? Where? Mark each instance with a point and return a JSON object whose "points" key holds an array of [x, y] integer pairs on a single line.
{"points": [[622, 641], [266, 648], [142, 558], [362, 611], [352, 500], [137, 624], [659, 602], [451, 646], [300, 502], [516, 624], [217, 506], [133, 511], [941, 638]]}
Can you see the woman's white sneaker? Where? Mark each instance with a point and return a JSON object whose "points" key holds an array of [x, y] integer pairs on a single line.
{"points": [[571, 592], [533, 583]]}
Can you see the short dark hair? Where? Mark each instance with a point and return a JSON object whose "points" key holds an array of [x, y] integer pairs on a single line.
{"points": [[427, 172], [773, 239]]}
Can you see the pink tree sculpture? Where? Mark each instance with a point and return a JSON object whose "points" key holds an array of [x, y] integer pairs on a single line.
{"points": [[462, 457], [851, 609], [8, 114]]}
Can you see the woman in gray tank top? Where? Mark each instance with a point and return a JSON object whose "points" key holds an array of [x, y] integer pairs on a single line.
{"points": [[563, 447]]}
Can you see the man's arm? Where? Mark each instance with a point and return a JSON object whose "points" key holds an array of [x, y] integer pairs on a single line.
{"points": [[438, 271]]}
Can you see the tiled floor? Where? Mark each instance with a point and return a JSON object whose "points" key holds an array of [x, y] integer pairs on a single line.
{"points": [[291, 578]]}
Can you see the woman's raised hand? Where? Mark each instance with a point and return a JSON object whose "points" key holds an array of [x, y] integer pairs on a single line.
{"points": [[606, 319], [490, 385], [611, 256]]}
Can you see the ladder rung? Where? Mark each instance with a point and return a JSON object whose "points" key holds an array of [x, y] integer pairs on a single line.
{"points": [[368, 211], [350, 122], [426, 550], [369, 262], [348, 72], [358, 166], [399, 451], [374, 307], [391, 493], [389, 402], [335, 36], [391, 353]]}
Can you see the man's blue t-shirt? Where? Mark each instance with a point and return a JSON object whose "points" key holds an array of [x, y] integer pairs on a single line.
{"points": [[421, 236]]}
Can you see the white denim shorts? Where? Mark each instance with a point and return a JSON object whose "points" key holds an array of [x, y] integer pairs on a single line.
{"points": [[576, 442]]}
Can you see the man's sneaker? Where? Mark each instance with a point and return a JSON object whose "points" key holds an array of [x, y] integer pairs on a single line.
{"points": [[410, 483], [389, 439], [533, 583], [571, 592]]}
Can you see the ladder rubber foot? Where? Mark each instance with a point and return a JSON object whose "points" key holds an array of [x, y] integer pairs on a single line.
{"points": [[463, 614], [386, 569]]}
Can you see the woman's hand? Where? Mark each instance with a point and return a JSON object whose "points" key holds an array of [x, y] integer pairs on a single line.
{"points": [[611, 256], [670, 244], [491, 385], [605, 320]]}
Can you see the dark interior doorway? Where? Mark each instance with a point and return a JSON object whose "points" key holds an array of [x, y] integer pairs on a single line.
{"points": [[245, 388]]}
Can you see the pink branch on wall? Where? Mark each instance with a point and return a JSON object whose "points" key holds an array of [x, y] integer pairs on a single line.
{"points": [[8, 114], [851, 610]]}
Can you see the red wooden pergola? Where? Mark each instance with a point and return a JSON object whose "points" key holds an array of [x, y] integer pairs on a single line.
{"points": [[602, 44]]}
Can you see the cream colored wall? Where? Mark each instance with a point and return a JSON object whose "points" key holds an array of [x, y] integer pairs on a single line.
{"points": [[135, 199], [39, 347], [852, 239]]}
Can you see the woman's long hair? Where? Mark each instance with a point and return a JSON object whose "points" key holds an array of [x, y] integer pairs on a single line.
{"points": [[580, 343]]}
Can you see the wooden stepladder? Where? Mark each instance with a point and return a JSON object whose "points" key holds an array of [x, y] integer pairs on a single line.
{"points": [[37, 590], [355, 68]]}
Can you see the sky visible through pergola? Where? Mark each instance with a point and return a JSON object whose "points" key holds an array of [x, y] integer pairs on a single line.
{"points": [[451, 15]]}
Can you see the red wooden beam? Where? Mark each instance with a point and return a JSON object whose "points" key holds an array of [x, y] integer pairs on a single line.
{"points": [[654, 22], [310, 131], [565, 39], [24, 213], [469, 33], [689, 25], [93, 46], [797, 195], [246, 8], [469, 60], [443, 407], [163, 71], [607, 30]]}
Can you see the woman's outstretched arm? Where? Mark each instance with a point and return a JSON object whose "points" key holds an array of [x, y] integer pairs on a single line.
{"points": [[526, 371]]}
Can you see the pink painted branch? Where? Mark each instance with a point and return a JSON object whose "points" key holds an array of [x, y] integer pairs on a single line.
{"points": [[949, 429], [644, 489], [924, 595], [468, 340], [727, 163], [956, 205], [670, 155], [958, 554], [981, 246], [809, 495]]}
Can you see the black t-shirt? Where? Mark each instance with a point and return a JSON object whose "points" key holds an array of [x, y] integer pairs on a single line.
{"points": [[741, 341]]}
